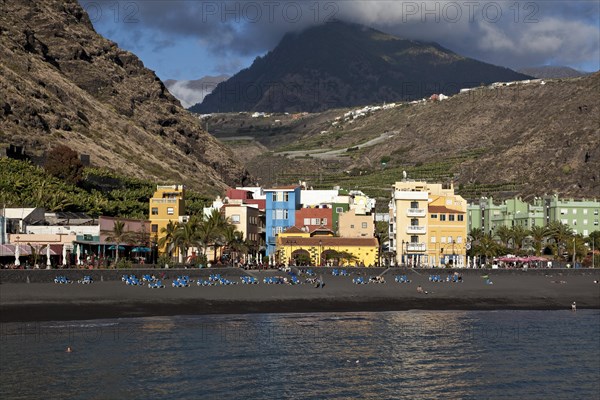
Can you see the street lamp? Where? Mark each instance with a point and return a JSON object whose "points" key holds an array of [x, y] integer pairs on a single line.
{"points": [[320, 253], [402, 253]]}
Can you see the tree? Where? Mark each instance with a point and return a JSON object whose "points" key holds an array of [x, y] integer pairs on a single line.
{"points": [[234, 241], [210, 231], [538, 235], [119, 235], [476, 234], [518, 236], [382, 232], [64, 163], [186, 237], [166, 241], [560, 233], [504, 233]]}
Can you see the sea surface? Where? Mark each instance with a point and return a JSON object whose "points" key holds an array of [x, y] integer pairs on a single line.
{"points": [[405, 355]]}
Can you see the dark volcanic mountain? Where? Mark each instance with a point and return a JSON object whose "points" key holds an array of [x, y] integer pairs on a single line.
{"points": [[340, 64], [61, 82]]}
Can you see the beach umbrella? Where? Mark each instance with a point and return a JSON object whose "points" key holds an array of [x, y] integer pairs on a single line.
{"points": [[48, 262], [64, 254], [17, 254], [78, 255]]}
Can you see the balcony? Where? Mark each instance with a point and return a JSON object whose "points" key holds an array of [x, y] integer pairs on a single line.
{"points": [[164, 201], [416, 247], [415, 212], [416, 229]]}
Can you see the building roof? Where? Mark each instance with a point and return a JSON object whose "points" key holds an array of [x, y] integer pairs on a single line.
{"points": [[329, 241], [283, 188], [443, 209]]}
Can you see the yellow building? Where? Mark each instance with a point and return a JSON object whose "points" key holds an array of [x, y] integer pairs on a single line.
{"points": [[320, 247], [428, 225], [167, 204]]}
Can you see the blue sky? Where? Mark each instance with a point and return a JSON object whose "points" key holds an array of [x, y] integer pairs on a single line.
{"points": [[189, 39]]}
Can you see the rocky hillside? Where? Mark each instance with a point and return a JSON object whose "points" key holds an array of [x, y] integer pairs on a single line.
{"points": [[526, 139], [61, 82], [340, 64]]}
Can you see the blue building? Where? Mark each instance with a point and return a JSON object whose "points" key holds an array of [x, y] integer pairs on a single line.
{"points": [[280, 212]]}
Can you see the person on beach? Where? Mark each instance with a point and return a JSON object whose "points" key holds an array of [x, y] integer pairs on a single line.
{"points": [[420, 290]]}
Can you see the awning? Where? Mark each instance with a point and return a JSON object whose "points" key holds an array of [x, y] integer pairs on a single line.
{"points": [[141, 250]]}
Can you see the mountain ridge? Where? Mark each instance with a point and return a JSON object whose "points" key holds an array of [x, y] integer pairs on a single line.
{"points": [[62, 82], [341, 64]]}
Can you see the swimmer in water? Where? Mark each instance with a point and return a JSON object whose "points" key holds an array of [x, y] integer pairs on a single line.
{"points": [[69, 350]]}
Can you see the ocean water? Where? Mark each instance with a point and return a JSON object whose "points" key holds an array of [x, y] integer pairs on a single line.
{"points": [[388, 355]]}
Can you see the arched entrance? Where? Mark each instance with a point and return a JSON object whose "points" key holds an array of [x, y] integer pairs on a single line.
{"points": [[330, 258], [300, 257]]}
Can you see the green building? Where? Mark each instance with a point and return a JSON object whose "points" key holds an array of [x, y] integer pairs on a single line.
{"points": [[580, 215]]}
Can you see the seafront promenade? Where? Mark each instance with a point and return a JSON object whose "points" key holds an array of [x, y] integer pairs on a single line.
{"points": [[109, 297]]}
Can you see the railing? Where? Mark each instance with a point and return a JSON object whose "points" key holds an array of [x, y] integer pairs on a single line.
{"points": [[416, 229], [415, 212], [164, 201], [416, 247]]}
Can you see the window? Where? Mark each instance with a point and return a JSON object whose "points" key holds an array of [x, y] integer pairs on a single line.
{"points": [[585, 221], [339, 210], [414, 204], [170, 211], [596, 223], [433, 216], [459, 239], [443, 239], [442, 217], [316, 221], [585, 211], [235, 219], [574, 222], [154, 228], [586, 232], [461, 217], [564, 221], [274, 196], [596, 212], [306, 221], [563, 211], [433, 239], [364, 225], [352, 226], [574, 211], [154, 210], [450, 217], [414, 239], [323, 221], [414, 222]]}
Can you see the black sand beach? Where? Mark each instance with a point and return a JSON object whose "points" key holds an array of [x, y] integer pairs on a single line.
{"points": [[541, 289]]}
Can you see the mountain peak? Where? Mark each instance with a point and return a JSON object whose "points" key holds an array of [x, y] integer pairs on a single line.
{"points": [[344, 64]]}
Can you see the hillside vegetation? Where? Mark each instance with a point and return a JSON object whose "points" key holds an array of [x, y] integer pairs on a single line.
{"points": [[526, 139]]}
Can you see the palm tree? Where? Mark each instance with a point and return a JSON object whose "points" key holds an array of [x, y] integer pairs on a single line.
{"points": [[168, 236], [186, 237], [234, 241], [538, 235], [560, 233], [487, 246], [504, 233], [210, 231], [476, 234], [119, 235], [383, 235], [518, 236]]}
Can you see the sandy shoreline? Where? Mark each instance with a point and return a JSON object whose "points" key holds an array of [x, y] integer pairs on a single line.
{"points": [[110, 299]]}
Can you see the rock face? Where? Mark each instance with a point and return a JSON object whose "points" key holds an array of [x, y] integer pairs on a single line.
{"points": [[61, 82], [340, 64]]}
